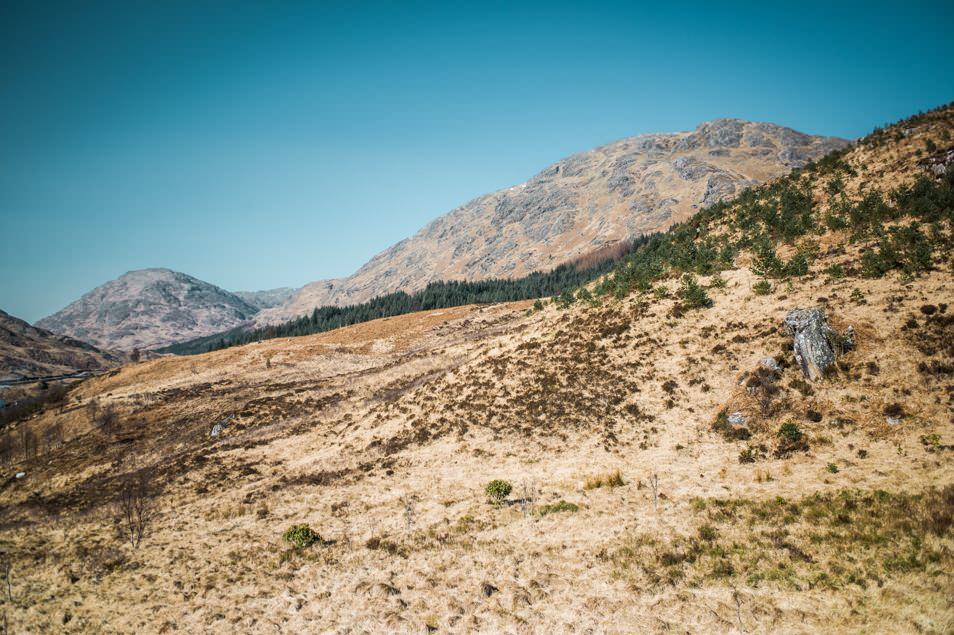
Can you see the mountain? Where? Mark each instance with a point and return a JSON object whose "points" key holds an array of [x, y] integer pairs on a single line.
{"points": [[27, 351], [267, 299], [617, 191], [149, 308]]}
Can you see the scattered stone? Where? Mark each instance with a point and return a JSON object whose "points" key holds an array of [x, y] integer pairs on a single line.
{"points": [[737, 419], [770, 363], [216, 430], [20, 474], [488, 589], [893, 421]]}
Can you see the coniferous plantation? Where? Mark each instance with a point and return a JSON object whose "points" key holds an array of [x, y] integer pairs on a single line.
{"points": [[563, 279]]}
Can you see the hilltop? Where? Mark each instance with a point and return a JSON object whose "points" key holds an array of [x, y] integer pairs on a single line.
{"points": [[150, 308]]}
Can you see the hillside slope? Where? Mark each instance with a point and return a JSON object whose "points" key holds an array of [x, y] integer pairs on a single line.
{"points": [[149, 308], [673, 469], [620, 190], [27, 351]]}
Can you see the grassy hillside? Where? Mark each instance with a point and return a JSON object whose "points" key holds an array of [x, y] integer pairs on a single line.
{"points": [[642, 455]]}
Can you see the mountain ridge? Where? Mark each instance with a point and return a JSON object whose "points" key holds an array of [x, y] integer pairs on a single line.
{"points": [[616, 191]]}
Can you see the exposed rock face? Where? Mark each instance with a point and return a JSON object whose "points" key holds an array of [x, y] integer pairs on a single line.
{"points": [[149, 308], [623, 189], [27, 351], [816, 344]]}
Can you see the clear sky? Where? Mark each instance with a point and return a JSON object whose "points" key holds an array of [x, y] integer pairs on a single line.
{"points": [[265, 144]]}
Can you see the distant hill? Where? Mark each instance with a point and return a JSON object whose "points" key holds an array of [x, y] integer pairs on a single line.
{"points": [[27, 351], [149, 308], [617, 191]]}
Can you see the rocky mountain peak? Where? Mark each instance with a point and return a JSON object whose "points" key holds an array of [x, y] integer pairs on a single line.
{"points": [[147, 308]]}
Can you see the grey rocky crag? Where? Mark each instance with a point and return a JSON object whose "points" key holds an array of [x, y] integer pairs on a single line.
{"points": [[815, 343], [150, 308], [577, 205]]}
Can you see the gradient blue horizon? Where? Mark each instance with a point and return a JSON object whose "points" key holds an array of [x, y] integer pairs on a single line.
{"points": [[258, 145]]}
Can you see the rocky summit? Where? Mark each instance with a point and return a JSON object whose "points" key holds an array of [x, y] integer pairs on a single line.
{"points": [[149, 308], [586, 201]]}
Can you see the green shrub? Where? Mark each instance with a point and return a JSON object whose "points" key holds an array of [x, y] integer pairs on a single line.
{"points": [[791, 439], [762, 287], [497, 490], [835, 271], [857, 296], [692, 293], [831, 467], [301, 536], [797, 266], [789, 431]]}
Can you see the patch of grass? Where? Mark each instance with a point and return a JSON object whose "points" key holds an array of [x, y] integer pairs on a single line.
{"points": [[612, 479], [825, 540], [554, 508]]}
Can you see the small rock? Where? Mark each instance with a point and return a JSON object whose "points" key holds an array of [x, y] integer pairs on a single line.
{"points": [[770, 363], [893, 421], [216, 430], [20, 474], [737, 419], [488, 589]]}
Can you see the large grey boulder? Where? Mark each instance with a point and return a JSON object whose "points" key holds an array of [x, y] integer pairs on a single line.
{"points": [[816, 344]]}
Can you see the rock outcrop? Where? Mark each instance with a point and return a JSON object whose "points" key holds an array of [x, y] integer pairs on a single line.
{"points": [[815, 343]]}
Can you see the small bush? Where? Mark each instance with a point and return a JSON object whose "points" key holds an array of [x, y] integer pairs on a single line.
{"points": [[762, 287], [832, 468], [791, 439], [692, 293], [857, 296], [497, 490], [835, 271], [301, 536]]}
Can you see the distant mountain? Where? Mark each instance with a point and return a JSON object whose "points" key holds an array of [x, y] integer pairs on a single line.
{"points": [[267, 299], [27, 351], [150, 308], [634, 186]]}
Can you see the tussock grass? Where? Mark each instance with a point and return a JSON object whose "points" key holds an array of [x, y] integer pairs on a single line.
{"points": [[831, 540]]}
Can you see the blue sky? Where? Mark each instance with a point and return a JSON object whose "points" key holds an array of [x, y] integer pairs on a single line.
{"points": [[257, 145]]}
